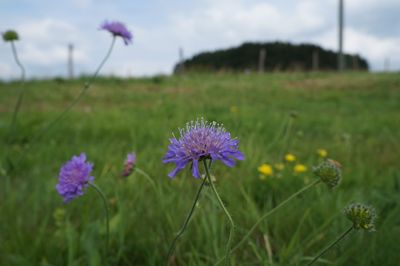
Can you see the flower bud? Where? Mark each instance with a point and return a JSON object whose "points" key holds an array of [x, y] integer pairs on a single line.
{"points": [[129, 164], [362, 216], [10, 36], [330, 172]]}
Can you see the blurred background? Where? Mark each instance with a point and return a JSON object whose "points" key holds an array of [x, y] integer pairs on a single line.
{"points": [[168, 31]]}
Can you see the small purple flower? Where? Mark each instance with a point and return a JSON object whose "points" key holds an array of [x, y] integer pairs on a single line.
{"points": [[202, 140], [118, 29], [74, 177], [129, 164]]}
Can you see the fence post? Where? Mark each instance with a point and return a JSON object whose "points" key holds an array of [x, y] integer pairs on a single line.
{"points": [[315, 60], [261, 60]]}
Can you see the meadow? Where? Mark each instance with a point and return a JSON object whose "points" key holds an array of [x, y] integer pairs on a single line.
{"points": [[354, 116]]}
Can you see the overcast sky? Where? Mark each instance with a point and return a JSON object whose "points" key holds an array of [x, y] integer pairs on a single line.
{"points": [[160, 27]]}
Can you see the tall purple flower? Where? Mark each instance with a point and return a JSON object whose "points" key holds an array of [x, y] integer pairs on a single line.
{"points": [[129, 164], [74, 177], [202, 140], [118, 29]]}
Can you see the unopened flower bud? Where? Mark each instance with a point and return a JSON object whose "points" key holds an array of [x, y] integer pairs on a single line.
{"points": [[10, 36], [362, 216], [129, 164], [330, 172]]}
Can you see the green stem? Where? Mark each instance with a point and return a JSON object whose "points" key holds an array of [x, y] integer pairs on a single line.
{"points": [[21, 90], [148, 178], [103, 197], [76, 100], [14, 50], [331, 245], [286, 137], [232, 227], [185, 224], [269, 213], [280, 133]]}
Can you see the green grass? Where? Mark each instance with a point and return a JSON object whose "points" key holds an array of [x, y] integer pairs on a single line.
{"points": [[355, 116]]}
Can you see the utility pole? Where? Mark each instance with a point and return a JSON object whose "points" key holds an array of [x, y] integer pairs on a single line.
{"points": [[70, 61], [341, 63], [181, 66]]}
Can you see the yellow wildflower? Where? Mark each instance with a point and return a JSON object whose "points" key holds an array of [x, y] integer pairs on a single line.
{"points": [[265, 169], [299, 168], [322, 153], [290, 157], [279, 166], [234, 109]]}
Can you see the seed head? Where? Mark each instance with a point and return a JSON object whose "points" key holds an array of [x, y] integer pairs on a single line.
{"points": [[362, 216], [330, 172], [10, 36]]}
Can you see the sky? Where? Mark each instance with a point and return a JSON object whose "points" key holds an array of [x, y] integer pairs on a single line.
{"points": [[161, 27]]}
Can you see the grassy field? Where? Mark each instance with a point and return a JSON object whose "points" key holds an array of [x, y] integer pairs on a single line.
{"points": [[354, 116]]}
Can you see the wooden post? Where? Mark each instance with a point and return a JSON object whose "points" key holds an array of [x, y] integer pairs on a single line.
{"points": [[386, 64], [315, 60], [261, 60], [355, 62], [70, 61]]}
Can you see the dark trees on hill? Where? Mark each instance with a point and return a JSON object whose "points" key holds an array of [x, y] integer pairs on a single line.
{"points": [[279, 56]]}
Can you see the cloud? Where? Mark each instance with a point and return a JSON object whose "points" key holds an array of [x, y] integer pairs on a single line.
{"points": [[48, 55], [375, 49], [6, 70], [44, 42], [49, 30], [371, 30], [233, 22]]}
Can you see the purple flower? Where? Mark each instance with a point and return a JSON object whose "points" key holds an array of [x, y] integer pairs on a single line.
{"points": [[74, 177], [129, 164], [202, 140], [118, 29]]}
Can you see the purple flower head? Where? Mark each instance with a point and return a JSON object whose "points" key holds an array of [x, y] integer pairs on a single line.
{"points": [[202, 140], [74, 177], [129, 164], [118, 29]]}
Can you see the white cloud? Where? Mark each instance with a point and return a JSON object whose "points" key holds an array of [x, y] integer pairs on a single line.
{"points": [[48, 55], [225, 23], [44, 42], [203, 25], [6, 70], [48, 29], [375, 49]]}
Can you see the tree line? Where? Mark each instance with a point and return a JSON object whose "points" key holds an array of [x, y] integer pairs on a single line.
{"points": [[278, 56]]}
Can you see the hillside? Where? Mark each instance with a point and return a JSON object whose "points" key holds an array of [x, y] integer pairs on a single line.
{"points": [[280, 56]]}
